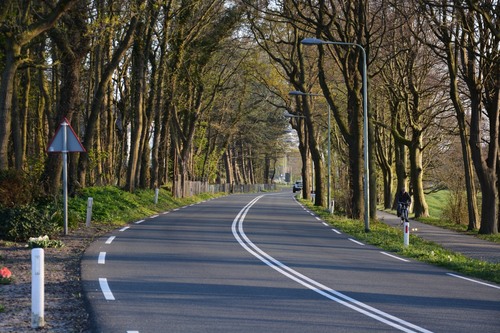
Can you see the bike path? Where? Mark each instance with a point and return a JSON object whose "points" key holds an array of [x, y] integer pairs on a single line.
{"points": [[468, 245]]}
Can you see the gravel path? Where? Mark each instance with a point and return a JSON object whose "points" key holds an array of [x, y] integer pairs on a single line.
{"points": [[65, 309]]}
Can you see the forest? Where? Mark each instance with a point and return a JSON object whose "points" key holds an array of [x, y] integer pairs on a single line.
{"points": [[394, 94]]}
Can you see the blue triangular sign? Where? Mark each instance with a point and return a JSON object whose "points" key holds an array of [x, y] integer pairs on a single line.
{"points": [[72, 144]]}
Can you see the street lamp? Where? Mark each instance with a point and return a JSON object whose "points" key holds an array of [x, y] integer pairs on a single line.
{"points": [[329, 196], [316, 41]]}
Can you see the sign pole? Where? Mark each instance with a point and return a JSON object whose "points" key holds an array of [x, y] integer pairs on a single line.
{"points": [[65, 140], [65, 175]]}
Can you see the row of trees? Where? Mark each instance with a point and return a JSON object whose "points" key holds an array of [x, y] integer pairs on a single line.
{"points": [[434, 75], [166, 91], [158, 91]]}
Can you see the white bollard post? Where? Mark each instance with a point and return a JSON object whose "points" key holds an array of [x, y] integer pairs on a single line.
{"points": [[90, 202], [37, 288], [406, 237], [156, 195]]}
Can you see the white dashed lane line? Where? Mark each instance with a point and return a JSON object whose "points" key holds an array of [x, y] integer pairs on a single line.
{"points": [[110, 239], [102, 258], [355, 241], [139, 222], [124, 228], [393, 256], [336, 231], [472, 280], [108, 295]]}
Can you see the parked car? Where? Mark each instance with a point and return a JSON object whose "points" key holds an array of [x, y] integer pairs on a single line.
{"points": [[297, 187]]}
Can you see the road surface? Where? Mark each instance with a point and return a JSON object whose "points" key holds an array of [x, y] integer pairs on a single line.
{"points": [[263, 263]]}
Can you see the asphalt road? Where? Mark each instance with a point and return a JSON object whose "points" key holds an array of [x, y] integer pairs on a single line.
{"points": [[262, 263]]}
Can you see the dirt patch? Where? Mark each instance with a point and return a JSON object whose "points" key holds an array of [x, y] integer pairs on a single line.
{"points": [[65, 309]]}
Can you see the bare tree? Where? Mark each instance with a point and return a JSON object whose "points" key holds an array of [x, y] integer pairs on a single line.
{"points": [[469, 45]]}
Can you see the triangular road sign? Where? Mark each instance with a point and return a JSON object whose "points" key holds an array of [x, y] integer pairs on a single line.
{"points": [[72, 144]]}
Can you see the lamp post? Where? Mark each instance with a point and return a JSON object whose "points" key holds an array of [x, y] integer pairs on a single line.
{"points": [[316, 41], [329, 196]]}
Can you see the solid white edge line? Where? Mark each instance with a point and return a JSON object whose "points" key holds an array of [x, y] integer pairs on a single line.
{"points": [[472, 280], [355, 241], [312, 284], [393, 256], [108, 295], [124, 228], [110, 239], [102, 258]]}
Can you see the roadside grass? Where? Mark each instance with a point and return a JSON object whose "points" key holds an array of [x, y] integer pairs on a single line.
{"points": [[391, 239], [115, 207]]}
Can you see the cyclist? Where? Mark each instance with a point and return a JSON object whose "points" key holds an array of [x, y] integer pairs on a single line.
{"points": [[404, 200]]}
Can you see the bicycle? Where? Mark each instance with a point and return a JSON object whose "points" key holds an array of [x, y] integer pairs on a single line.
{"points": [[404, 212]]}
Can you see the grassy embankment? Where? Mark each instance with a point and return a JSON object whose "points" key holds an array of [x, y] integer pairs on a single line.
{"points": [[114, 207], [391, 239]]}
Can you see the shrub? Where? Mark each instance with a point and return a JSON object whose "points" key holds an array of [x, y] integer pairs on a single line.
{"points": [[15, 189], [21, 223], [455, 209]]}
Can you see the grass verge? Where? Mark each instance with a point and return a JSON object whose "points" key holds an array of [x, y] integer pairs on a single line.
{"points": [[115, 207], [390, 239], [435, 202]]}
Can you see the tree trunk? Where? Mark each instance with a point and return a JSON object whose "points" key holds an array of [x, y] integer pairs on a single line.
{"points": [[12, 61], [137, 109], [228, 166], [420, 207], [486, 169], [98, 99]]}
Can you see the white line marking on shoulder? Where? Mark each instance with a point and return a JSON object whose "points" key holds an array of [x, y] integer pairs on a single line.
{"points": [[355, 241], [472, 280], [110, 239], [102, 258], [393, 256], [108, 295]]}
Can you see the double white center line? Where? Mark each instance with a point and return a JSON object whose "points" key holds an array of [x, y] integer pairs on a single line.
{"points": [[239, 234]]}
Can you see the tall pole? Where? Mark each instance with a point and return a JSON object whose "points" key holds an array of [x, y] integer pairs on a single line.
{"points": [[329, 195], [65, 174], [316, 41], [365, 134]]}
